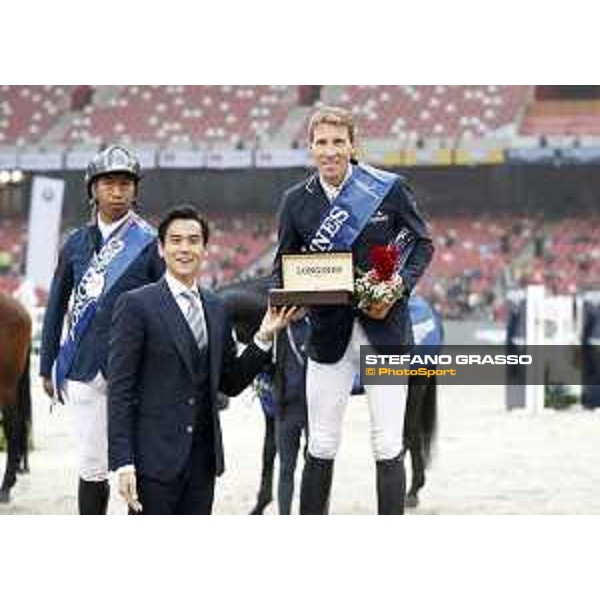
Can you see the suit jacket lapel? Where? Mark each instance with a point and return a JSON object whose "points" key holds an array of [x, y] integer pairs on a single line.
{"points": [[176, 325], [315, 204], [315, 189]]}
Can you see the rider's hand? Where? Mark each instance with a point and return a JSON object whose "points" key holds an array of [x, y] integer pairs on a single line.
{"points": [[378, 310], [49, 389]]}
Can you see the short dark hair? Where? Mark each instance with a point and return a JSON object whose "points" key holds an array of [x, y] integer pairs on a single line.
{"points": [[186, 212]]}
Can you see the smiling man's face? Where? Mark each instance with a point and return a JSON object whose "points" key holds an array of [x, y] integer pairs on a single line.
{"points": [[331, 149], [183, 250]]}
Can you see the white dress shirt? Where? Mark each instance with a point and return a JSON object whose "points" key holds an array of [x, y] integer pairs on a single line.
{"points": [[107, 229], [331, 191]]}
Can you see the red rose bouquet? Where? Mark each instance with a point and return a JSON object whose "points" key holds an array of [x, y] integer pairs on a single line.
{"points": [[381, 283]]}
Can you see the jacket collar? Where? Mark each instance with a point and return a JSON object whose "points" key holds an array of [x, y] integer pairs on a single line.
{"points": [[314, 188]]}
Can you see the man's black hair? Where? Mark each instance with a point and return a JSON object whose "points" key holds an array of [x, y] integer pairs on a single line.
{"points": [[186, 212]]}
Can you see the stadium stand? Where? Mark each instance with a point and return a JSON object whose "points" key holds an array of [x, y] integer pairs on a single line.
{"points": [[235, 116], [433, 110], [184, 114], [12, 251], [241, 115], [12, 242], [27, 112], [562, 117], [571, 254], [236, 244], [472, 256]]}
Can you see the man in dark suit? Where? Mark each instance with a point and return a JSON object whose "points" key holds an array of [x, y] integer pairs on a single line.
{"points": [[171, 352], [115, 253], [350, 206]]}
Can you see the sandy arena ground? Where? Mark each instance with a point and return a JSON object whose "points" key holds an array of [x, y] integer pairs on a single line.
{"points": [[487, 461]]}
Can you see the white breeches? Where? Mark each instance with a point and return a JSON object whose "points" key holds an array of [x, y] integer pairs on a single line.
{"points": [[87, 407], [328, 388]]}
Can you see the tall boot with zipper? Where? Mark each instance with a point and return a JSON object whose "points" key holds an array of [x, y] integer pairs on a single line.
{"points": [[391, 486], [316, 486], [93, 497]]}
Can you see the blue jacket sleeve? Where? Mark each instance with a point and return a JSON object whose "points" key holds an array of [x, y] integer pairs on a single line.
{"points": [[58, 301], [156, 265], [422, 249]]}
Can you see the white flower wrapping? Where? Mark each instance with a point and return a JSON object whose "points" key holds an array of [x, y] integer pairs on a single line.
{"points": [[369, 289]]}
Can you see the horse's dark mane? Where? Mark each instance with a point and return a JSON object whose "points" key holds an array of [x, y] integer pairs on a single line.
{"points": [[259, 284], [246, 302]]}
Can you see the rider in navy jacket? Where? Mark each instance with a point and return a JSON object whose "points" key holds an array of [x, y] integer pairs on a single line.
{"points": [[300, 215], [92, 354], [112, 182], [342, 205]]}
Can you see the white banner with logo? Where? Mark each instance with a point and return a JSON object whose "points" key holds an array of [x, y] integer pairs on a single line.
{"points": [[78, 160], [181, 159], [146, 156], [282, 158], [41, 161], [8, 160], [44, 229], [229, 159]]}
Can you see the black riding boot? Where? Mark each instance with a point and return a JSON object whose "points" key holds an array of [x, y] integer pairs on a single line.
{"points": [[93, 497], [417, 478], [391, 486], [265, 493], [8, 481], [316, 486]]}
